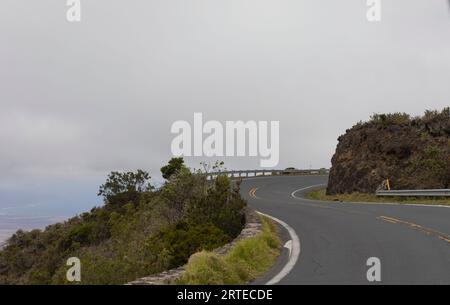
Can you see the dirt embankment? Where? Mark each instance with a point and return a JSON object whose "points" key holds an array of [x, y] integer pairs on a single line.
{"points": [[413, 153]]}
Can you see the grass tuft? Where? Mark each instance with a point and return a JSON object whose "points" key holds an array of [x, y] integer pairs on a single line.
{"points": [[245, 261], [363, 197]]}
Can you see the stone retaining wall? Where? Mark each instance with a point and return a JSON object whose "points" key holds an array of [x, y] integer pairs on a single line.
{"points": [[252, 227]]}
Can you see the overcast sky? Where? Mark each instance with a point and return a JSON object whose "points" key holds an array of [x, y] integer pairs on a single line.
{"points": [[79, 100]]}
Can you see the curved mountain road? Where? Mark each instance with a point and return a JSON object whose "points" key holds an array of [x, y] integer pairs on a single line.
{"points": [[412, 242]]}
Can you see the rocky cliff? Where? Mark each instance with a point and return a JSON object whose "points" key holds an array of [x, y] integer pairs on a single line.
{"points": [[412, 152]]}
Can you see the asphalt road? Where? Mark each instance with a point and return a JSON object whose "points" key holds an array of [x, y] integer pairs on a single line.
{"points": [[412, 242]]}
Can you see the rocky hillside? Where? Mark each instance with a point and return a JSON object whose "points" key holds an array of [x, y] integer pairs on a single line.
{"points": [[413, 152]]}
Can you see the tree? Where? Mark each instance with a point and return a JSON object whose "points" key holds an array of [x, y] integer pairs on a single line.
{"points": [[174, 165], [125, 186]]}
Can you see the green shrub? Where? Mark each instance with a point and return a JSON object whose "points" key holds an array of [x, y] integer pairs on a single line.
{"points": [[173, 167], [396, 118], [435, 115], [182, 240], [246, 260], [139, 231], [222, 206]]}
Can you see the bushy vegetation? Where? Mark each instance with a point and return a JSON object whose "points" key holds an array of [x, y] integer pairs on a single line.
{"points": [[430, 166], [174, 165], [429, 118], [390, 118], [435, 160], [245, 261], [139, 231]]}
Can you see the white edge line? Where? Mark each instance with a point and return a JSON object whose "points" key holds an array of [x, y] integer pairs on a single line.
{"points": [[378, 203], [303, 189], [365, 203], [293, 257]]}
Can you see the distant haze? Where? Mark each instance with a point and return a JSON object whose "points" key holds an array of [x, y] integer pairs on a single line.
{"points": [[79, 100]]}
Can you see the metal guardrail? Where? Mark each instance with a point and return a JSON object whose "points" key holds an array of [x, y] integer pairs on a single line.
{"points": [[268, 172], [415, 193]]}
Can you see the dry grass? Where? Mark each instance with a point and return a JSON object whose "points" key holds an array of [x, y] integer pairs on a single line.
{"points": [[246, 260], [363, 197]]}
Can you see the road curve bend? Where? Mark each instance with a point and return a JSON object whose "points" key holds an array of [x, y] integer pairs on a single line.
{"points": [[337, 239]]}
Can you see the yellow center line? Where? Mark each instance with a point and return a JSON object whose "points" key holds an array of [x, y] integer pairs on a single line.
{"points": [[445, 239], [415, 226]]}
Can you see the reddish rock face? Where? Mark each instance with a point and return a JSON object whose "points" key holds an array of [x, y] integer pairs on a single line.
{"points": [[413, 153]]}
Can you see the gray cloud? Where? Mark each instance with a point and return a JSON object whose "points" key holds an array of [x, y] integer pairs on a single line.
{"points": [[80, 100]]}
